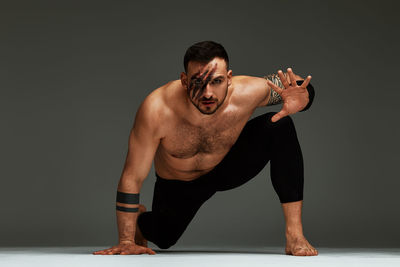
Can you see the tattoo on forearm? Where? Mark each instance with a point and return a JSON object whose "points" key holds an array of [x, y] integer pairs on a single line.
{"points": [[275, 98]]}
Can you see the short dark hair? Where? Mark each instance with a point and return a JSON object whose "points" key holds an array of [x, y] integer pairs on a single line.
{"points": [[204, 52]]}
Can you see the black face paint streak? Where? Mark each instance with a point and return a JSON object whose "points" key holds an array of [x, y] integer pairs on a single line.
{"points": [[199, 83]]}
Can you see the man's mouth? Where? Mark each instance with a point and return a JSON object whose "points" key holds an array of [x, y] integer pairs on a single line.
{"points": [[207, 102]]}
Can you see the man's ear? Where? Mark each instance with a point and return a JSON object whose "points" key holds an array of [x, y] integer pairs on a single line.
{"points": [[184, 80], [229, 75]]}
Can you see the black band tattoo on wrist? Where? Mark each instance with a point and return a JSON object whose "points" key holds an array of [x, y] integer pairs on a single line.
{"points": [[127, 198], [120, 208]]}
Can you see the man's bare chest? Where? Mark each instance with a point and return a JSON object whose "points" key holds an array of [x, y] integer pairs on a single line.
{"points": [[185, 140]]}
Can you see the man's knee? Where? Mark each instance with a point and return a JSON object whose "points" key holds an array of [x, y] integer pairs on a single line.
{"points": [[155, 231], [165, 244], [167, 237]]}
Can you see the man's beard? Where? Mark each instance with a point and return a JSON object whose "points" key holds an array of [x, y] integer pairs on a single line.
{"points": [[209, 112]]}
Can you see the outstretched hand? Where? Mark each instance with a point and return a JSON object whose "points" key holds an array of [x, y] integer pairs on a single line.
{"points": [[295, 97], [125, 249]]}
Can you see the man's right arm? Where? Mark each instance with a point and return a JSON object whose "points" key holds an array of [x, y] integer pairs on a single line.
{"points": [[143, 142], [144, 139]]}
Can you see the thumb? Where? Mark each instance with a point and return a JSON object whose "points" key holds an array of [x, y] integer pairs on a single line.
{"points": [[278, 116]]}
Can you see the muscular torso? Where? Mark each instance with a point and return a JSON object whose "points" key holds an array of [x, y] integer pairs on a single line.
{"points": [[191, 148]]}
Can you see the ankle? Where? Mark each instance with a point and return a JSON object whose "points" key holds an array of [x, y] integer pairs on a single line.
{"points": [[294, 231]]}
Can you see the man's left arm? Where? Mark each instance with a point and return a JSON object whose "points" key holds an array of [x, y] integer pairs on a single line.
{"points": [[273, 98]]}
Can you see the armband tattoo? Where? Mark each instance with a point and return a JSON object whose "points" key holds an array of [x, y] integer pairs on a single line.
{"points": [[274, 98], [127, 198]]}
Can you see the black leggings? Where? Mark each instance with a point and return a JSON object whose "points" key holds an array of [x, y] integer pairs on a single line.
{"points": [[176, 202]]}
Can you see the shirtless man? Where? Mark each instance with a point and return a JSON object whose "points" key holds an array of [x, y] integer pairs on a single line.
{"points": [[198, 132]]}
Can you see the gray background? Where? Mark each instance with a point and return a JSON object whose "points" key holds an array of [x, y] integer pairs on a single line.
{"points": [[73, 74]]}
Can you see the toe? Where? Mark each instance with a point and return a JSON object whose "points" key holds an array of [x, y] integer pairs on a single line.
{"points": [[299, 252], [311, 252]]}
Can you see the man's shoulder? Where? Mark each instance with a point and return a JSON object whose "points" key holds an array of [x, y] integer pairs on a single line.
{"points": [[156, 103], [161, 95]]}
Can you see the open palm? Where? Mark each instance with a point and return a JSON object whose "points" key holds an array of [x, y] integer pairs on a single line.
{"points": [[295, 97]]}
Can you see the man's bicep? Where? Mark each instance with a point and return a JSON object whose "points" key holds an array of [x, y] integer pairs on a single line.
{"points": [[141, 151], [143, 143]]}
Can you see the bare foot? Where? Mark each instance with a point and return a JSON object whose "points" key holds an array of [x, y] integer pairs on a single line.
{"points": [[139, 239], [299, 246]]}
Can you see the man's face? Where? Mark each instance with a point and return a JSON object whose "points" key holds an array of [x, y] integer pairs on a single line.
{"points": [[207, 84]]}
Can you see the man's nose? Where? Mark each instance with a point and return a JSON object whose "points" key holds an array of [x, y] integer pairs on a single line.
{"points": [[207, 91]]}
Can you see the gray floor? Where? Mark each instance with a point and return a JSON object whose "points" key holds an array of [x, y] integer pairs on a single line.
{"points": [[261, 256]]}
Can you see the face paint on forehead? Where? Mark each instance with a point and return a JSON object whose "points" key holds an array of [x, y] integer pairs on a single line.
{"points": [[199, 81], [207, 71]]}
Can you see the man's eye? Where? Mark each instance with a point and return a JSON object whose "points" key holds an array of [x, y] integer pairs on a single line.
{"points": [[198, 81], [217, 81]]}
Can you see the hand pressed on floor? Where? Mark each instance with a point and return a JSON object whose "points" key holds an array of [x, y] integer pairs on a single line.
{"points": [[125, 249]]}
